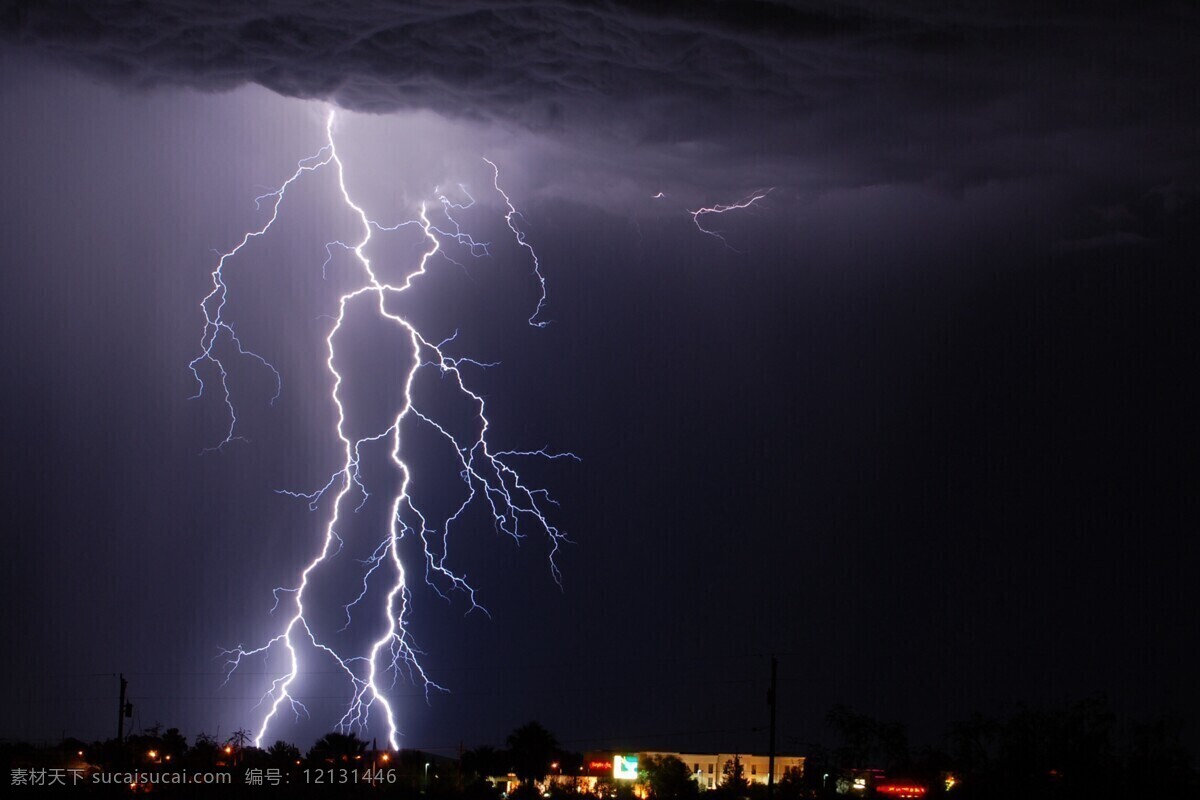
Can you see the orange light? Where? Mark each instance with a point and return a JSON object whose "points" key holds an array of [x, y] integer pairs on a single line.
{"points": [[167, 756], [228, 749], [384, 758], [80, 754]]}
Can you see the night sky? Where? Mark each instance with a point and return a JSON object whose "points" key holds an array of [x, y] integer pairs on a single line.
{"points": [[925, 426]]}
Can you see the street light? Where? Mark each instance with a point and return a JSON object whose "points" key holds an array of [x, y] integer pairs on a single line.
{"points": [[426, 774]]}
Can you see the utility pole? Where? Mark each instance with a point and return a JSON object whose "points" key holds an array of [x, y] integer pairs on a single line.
{"points": [[771, 697], [121, 711]]}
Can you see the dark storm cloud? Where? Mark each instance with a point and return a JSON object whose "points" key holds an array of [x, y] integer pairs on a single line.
{"points": [[847, 94]]}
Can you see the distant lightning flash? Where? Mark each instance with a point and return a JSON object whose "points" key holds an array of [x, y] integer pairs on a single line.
{"points": [[721, 208], [488, 475]]}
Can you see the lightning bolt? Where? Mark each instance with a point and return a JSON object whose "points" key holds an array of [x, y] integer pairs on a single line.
{"points": [[721, 208], [489, 477]]}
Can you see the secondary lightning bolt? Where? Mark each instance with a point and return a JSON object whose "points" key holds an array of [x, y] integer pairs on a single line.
{"points": [[489, 476], [721, 208]]}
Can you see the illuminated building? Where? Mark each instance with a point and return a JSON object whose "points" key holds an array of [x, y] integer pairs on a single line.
{"points": [[905, 789], [707, 769]]}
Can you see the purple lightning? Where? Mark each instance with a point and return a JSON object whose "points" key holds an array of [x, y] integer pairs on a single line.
{"points": [[488, 476], [720, 208]]}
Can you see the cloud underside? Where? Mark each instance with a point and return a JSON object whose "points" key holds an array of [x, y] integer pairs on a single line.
{"points": [[849, 94]]}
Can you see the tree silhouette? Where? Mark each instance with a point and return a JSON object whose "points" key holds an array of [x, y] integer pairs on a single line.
{"points": [[283, 753], [792, 785], [174, 743], [485, 762], [337, 747], [972, 741], [203, 753], [668, 778], [867, 742], [733, 778], [531, 749]]}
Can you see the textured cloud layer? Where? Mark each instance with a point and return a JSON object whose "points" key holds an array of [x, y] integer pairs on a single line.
{"points": [[836, 93]]}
